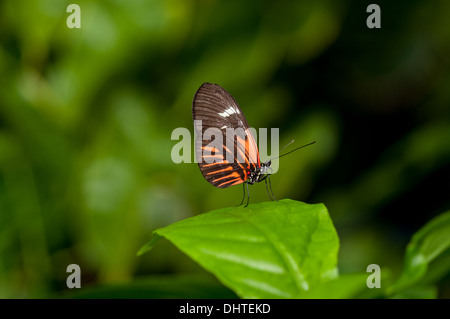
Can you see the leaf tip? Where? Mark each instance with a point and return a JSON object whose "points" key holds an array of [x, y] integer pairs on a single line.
{"points": [[148, 246]]}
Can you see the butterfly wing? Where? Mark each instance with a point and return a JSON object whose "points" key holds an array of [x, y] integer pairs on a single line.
{"points": [[220, 165]]}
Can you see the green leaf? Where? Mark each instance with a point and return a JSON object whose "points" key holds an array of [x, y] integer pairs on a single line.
{"points": [[437, 269], [345, 287], [430, 242], [350, 286], [267, 250], [148, 246]]}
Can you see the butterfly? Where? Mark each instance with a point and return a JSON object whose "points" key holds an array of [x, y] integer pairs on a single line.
{"points": [[232, 156]]}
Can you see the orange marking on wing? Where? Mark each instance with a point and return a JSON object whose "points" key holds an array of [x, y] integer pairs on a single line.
{"points": [[245, 173], [218, 159], [234, 174], [212, 164], [233, 182], [229, 168], [238, 182]]}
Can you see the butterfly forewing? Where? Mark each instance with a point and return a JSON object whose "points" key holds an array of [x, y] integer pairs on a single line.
{"points": [[225, 148]]}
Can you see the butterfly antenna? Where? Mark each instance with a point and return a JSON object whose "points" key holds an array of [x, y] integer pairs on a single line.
{"points": [[293, 149], [283, 148], [286, 146]]}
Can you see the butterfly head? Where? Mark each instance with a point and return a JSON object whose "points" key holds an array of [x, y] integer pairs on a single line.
{"points": [[260, 173]]}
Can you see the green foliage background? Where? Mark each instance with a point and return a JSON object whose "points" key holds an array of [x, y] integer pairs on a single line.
{"points": [[86, 117]]}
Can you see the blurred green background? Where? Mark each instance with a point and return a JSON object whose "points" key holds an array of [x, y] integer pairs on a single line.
{"points": [[86, 117]]}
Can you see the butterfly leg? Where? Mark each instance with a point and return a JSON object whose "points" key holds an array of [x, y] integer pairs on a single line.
{"points": [[267, 189], [243, 184], [248, 195], [270, 186]]}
